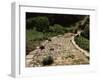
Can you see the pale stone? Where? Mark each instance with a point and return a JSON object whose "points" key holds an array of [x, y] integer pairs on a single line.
{"points": [[29, 56]]}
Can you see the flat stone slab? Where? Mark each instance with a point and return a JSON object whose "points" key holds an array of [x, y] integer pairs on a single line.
{"points": [[29, 56], [28, 60], [28, 63]]}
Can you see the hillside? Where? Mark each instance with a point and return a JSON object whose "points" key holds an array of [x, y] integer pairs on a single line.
{"points": [[61, 49], [56, 39]]}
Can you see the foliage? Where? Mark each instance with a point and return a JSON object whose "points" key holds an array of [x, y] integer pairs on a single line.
{"points": [[70, 29], [57, 29], [62, 19], [33, 39], [82, 42], [30, 23], [41, 23], [41, 27], [34, 35], [85, 32]]}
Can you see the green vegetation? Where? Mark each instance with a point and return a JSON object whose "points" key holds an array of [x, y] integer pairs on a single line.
{"points": [[82, 42], [83, 39], [41, 23], [57, 29], [48, 38], [61, 19], [33, 39], [86, 31], [33, 35], [40, 27]]}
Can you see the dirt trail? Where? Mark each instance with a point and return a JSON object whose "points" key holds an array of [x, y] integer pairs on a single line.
{"points": [[61, 49]]}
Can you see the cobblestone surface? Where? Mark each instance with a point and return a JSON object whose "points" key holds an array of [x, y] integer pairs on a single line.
{"points": [[61, 49]]}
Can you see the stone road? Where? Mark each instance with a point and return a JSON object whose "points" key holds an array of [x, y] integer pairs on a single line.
{"points": [[61, 49]]}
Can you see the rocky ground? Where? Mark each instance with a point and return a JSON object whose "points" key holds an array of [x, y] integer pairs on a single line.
{"points": [[60, 48]]}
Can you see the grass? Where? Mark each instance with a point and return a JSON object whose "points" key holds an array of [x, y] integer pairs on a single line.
{"points": [[33, 35], [34, 38], [82, 42]]}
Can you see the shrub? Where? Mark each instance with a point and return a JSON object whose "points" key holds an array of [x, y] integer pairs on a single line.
{"points": [[30, 23], [41, 23], [82, 42], [58, 29], [47, 60], [34, 35], [70, 29], [85, 32]]}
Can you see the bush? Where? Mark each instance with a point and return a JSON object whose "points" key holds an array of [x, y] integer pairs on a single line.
{"points": [[70, 29], [30, 23], [85, 32], [58, 29], [41, 23], [82, 42], [34, 35], [48, 60]]}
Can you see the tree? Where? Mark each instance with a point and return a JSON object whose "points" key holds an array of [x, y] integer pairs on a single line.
{"points": [[41, 23]]}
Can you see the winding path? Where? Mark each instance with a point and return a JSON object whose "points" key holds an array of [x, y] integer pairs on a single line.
{"points": [[61, 48]]}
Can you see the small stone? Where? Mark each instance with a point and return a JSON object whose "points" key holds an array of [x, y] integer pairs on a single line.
{"points": [[29, 56], [49, 40], [52, 49], [42, 47], [28, 60]]}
